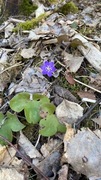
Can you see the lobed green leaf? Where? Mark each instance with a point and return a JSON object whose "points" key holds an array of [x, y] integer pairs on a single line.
{"points": [[31, 111], [18, 102], [48, 125]]}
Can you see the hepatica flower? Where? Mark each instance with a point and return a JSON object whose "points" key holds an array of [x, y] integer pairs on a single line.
{"points": [[48, 68]]}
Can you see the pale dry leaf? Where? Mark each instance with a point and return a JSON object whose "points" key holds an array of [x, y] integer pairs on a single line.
{"points": [[32, 81], [28, 147], [3, 58], [8, 29], [1, 102], [3, 150], [9, 156], [95, 79], [44, 29], [84, 153], [40, 10], [34, 36], [69, 112], [73, 62], [52, 145], [97, 120], [68, 135], [28, 53], [63, 172], [10, 174], [92, 54]]}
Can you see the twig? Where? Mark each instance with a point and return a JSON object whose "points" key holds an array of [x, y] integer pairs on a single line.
{"points": [[37, 140], [88, 112], [15, 65], [25, 159], [87, 86]]}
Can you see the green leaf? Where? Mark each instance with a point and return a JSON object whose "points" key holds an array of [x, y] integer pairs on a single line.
{"points": [[48, 107], [1, 117], [13, 123], [18, 102], [4, 130], [9, 124], [7, 133], [61, 128], [32, 110], [48, 125], [41, 98]]}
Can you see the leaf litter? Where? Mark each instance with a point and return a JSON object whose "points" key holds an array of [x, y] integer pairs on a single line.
{"points": [[72, 43]]}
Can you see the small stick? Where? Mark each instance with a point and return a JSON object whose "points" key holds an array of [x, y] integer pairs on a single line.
{"points": [[15, 65], [87, 86], [88, 112]]}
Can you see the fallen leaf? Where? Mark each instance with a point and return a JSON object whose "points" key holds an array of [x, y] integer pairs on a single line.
{"points": [[47, 148], [10, 173], [72, 62], [8, 29], [92, 54], [32, 81], [69, 112], [28, 147], [97, 120], [50, 165], [87, 96], [63, 172], [84, 153], [3, 151], [69, 77], [68, 135], [40, 10], [28, 53]]}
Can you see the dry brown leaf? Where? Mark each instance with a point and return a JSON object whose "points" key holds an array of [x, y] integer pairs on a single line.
{"points": [[87, 96], [69, 77], [69, 112]]}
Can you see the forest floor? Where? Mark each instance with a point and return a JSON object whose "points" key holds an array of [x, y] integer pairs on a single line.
{"points": [[50, 93]]}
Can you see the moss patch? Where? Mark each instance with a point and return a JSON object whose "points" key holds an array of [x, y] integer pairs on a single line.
{"points": [[30, 24], [69, 7], [26, 7]]}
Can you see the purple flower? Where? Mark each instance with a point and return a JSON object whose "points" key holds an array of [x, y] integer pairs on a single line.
{"points": [[48, 68]]}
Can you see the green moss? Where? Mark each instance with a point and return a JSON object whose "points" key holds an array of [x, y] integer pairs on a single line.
{"points": [[69, 7], [52, 1], [30, 24], [26, 8], [72, 88]]}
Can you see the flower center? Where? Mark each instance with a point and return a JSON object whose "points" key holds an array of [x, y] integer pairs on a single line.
{"points": [[48, 68]]}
